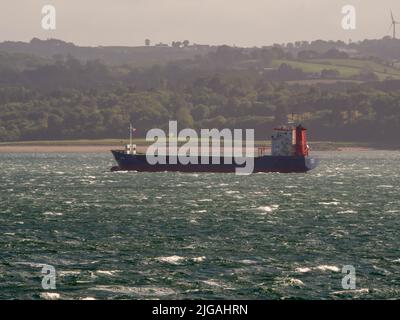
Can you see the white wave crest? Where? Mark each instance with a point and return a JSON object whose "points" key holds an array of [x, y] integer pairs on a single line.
{"points": [[268, 209], [322, 267], [50, 295], [171, 259], [145, 291], [51, 213]]}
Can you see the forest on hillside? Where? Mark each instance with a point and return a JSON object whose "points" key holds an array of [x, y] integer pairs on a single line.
{"points": [[66, 98]]}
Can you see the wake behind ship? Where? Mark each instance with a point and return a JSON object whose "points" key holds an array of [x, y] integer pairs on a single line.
{"points": [[290, 153]]}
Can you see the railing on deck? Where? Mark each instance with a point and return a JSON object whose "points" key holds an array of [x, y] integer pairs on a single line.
{"points": [[262, 151]]}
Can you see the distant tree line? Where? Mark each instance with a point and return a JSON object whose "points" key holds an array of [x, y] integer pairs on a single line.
{"points": [[226, 88]]}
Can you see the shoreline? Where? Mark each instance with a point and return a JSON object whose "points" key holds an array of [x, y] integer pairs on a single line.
{"points": [[98, 148], [57, 148]]}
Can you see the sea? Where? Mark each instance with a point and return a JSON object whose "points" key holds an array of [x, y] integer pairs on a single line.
{"points": [[71, 229]]}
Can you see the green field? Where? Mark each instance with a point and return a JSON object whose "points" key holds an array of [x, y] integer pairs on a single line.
{"points": [[347, 68]]}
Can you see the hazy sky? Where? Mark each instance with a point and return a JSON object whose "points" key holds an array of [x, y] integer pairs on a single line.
{"points": [[232, 22]]}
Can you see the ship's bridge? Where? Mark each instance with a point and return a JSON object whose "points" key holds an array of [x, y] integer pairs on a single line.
{"points": [[289, 141]]}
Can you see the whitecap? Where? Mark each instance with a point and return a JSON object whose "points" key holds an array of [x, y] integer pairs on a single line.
{"points": [[171, 259], [190, 246], [216, 283], [247, 261], [323, 267], [327, 268], [32, 264], [303, 270], [199, 259], [268, 208], [348, 211], [149, 291], [334, 203], [68, 273], [212, 282], [51, 213], [107, 273], [362, 290], [291, 282], [50, 295]]}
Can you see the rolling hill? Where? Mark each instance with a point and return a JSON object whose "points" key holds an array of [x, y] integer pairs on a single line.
{"points": [[347, 68]]}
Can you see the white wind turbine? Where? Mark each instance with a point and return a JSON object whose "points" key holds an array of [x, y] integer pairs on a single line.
{"points": [[393, 24]]}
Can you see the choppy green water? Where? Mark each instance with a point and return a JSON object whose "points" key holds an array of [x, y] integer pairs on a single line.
{"points": [[168, 235]]}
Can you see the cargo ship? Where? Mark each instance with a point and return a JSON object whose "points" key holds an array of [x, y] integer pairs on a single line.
{"points": [[289, 154]]}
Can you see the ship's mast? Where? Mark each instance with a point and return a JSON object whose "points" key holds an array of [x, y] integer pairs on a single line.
{"points": [[130, 135]]}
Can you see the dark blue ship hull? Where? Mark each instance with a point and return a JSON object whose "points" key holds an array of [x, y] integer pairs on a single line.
{"points": [[284, 164]]}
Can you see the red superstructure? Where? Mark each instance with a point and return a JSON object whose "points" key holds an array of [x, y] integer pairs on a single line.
{"points": [[301, 141]]}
